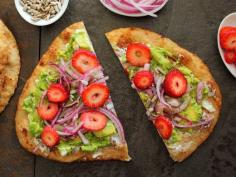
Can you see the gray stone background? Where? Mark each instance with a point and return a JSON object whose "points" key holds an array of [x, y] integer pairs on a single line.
{"points": [[193, 24]]}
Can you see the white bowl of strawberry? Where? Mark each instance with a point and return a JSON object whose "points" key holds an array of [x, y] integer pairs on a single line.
{"points": [[227, 42]]}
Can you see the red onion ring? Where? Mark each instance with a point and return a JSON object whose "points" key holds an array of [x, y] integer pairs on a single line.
{"points": [[116, 122]]}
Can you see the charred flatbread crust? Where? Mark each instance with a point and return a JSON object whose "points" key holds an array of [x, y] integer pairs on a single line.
{"points": [[123, 36], [9, 65], [26, 140]]}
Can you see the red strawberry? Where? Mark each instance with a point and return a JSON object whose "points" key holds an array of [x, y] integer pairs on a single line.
{"points": [[93, 120], [143, 79], [228, 41], [164, 126], [226, 30], [175, 84], [95, 95], [57, 93], [230, 57], [47, 111], [49, 136], [84, 60], [138, 54]]}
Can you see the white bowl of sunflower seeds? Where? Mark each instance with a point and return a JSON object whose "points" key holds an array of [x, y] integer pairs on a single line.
{"points": [[41, 12]]}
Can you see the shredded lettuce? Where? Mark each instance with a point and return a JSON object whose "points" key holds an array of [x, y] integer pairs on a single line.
{"points": [[35, 124], [95, 143], [31, 101], [67, 147], [132, 70], [175, 137], [160, 59], [145, 98], [192, 80], [79, 39]]}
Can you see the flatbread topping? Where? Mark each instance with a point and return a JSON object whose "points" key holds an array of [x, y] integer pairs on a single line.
{"points": [[69, 109], [178, 102]]}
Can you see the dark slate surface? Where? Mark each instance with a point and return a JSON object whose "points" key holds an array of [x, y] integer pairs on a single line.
{"points": [[192, 24]]}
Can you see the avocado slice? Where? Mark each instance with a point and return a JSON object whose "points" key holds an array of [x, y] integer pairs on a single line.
{"points": [[108, 130], [193, 112]]}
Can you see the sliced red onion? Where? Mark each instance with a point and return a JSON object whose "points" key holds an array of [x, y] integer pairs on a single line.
{"points": [[146, 67], [181, 117], [42, 97], [63, 133], [147, 7], [70, 115], [102, 80], [72, 104], [65, 67], [161, 108], [80, 89], [149, 92], [141, 9], [174, 102], [57, 116], [116, 122], [203, 123], [109, 106], [83, 138], [87, 75], [159, 90], [200, 88], [73, 130], [182, 107], [121, 6]]}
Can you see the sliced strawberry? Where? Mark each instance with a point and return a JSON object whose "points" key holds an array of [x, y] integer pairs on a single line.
{"points": [[47, 111], [230, 57], [164, 126], [95, 95], [143, 79], [228, 41], [57, 93], [138, 54], [175, 84], [50, 137], [93, 120], [226, 30], [84, 60]]}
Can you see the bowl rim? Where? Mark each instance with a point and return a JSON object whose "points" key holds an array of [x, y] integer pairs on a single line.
{"points": [[27, 17], [224, 22]]}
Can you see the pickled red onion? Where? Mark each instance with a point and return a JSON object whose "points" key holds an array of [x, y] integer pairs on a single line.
{"points": [[129, 7]]}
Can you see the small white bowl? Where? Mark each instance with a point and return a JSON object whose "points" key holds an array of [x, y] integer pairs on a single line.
{"points": [[28, 17], [130, 15], [229, 20]]}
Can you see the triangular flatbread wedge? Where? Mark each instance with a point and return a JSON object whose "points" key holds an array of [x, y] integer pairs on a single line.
{"points": [[181, 97], [9, 65], [65, 112]]}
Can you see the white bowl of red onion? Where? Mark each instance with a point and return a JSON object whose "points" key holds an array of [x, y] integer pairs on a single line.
{"points": [[134, 8]]}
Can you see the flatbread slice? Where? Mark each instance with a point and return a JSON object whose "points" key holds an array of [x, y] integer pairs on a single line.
{"points": [[78, 139], [193, 115], [9, 65]]}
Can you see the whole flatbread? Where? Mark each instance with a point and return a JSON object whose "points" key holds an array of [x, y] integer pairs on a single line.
{"points": [[9, 65], [26, 140], [124, 36]]}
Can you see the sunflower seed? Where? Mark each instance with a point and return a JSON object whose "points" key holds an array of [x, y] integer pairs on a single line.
{"points": [[41, 9]]}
